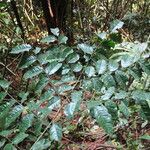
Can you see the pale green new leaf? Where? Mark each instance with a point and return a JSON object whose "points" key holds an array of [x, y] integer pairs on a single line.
{"points": [[21, 48], [56, 132]]}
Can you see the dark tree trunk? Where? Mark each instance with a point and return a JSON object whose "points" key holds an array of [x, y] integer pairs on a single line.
{"points": [[54, 13]]}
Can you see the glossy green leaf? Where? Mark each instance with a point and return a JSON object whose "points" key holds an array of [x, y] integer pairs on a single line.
{"points": [[108, 80], [4, 84], [9, 147], [103, 118], [72, 58], [55, 31], [90, 71], [21, 48], [113, 65], [101, 66], [86, 48], [77, 67], [41, 145], [124, 109], [116, 24], [56, 132], [49, 39], [62, 39], [34, 71], [19, 137], [53, 68]]}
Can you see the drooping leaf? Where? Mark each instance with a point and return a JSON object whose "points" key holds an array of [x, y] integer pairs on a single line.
{"points": [[103, 118], [49, 39], [34, 71], [90, 71], [19, 137], [21, 48], [55, 31], [53, 67], [56, 132], [4, 84], [86, 48], [101, 66]]}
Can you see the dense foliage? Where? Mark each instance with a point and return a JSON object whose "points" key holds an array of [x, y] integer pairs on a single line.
{"points": [[104, 78]]}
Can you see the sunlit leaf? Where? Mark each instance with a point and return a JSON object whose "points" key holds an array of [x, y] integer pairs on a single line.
{"points": [[86, 48]]}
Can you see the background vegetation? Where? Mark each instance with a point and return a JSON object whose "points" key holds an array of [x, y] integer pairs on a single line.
{"points": [[74, 74]]}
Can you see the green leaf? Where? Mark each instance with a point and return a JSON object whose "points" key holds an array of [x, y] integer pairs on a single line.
{"points": [[6, 133], [34, 71], [102, 35], [62, 39], [4, 84], [2, 142], [55, 31], [54, 103], [70, 109], [108, 80], [145, 137], [49, 39], [56, 132], [103, 118], [86, 48], [13, 115], [27, 62], [2, 96], [43, 81], [116, 24], [19, 138], [23, 95], [124, 109], [113, 65], [77, 67], [108, 93], [41, 144], [72, 58], [9, 147], [90, 71], [26, 122], [127, 60], [53, 68], [101, 66], [21, 48], [121, 95]]}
